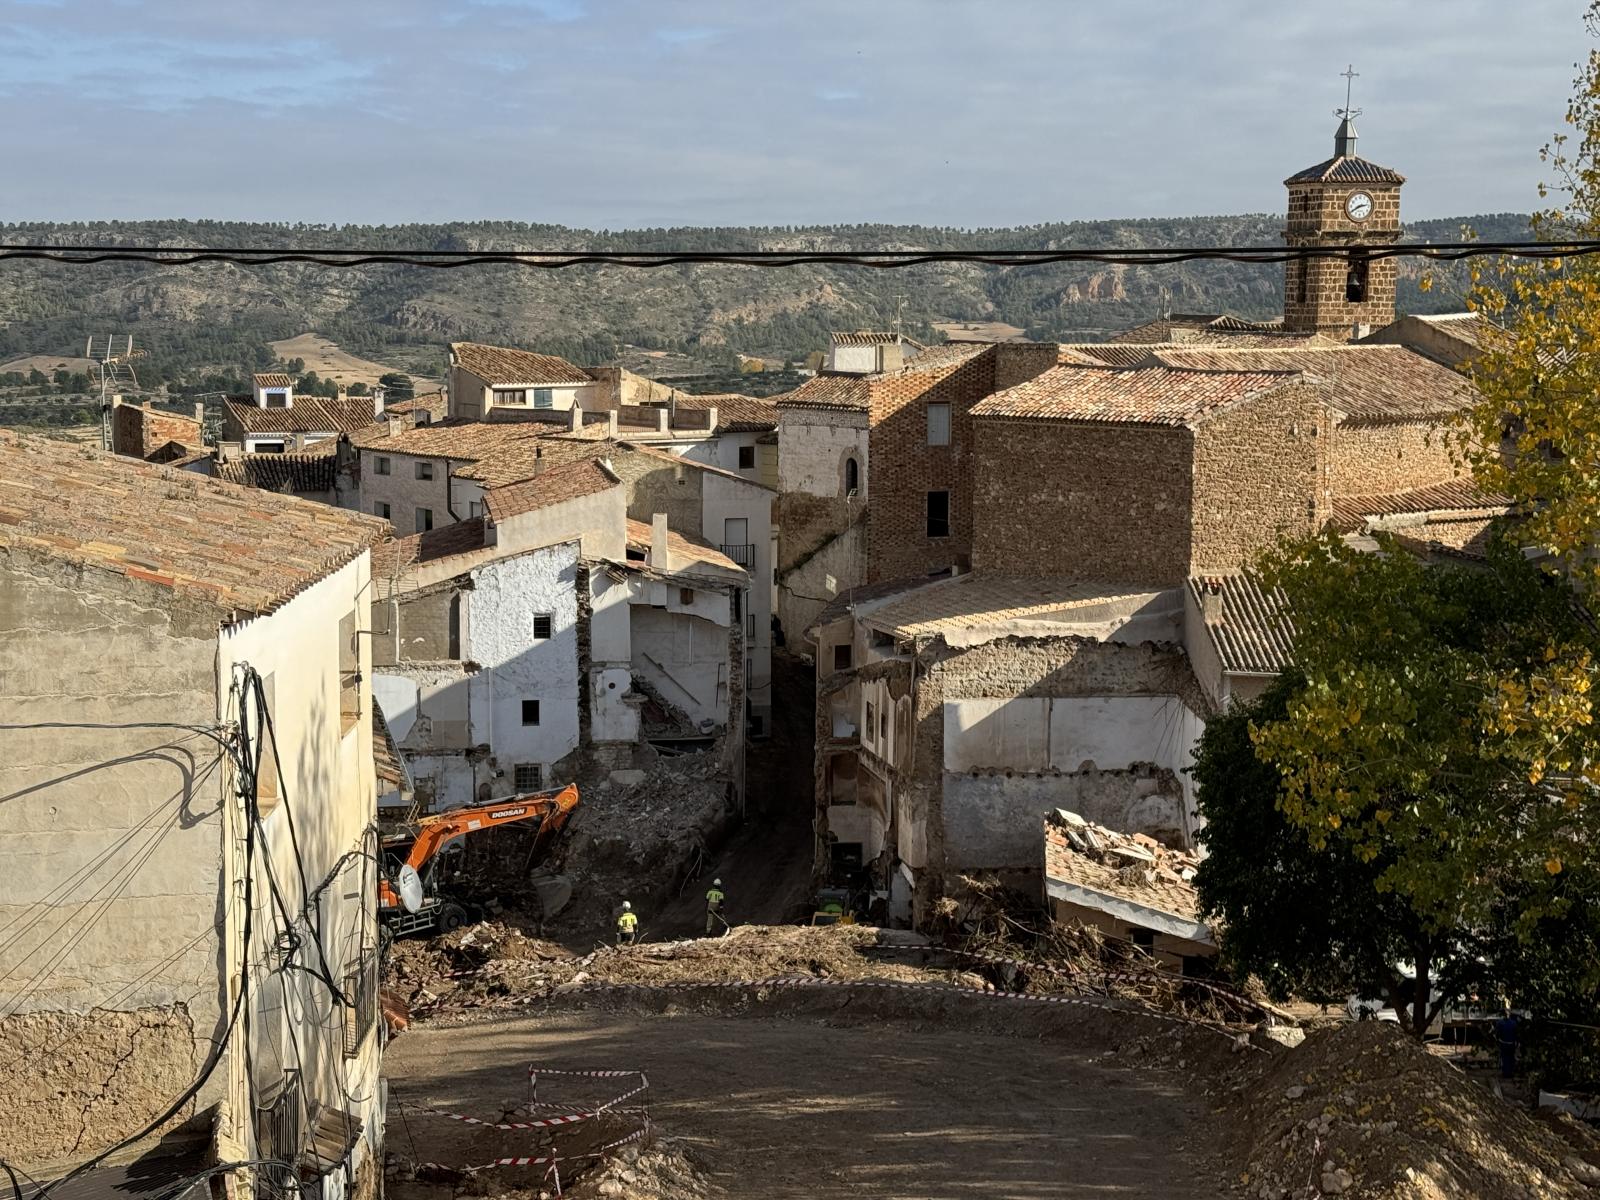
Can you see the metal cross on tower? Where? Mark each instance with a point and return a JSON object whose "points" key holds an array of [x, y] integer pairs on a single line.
{"points": [[1349, 75]]}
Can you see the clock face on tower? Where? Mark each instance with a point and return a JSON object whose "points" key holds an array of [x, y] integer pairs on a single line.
{"points": [[1359, 206]]}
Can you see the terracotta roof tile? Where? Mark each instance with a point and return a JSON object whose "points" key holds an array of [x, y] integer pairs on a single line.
{"points": [[272, 379], [435, 404], [310, 414], [830, 391], [1154, 395], [392, 557], [1346, 169], [736, 413], [1121, 865], [687, 552], [869, 337], [556, 485], [503, 366], [243, 550], [1455, 496], [979, 601], [300, 471], [1370, 384], [1253, 632]]}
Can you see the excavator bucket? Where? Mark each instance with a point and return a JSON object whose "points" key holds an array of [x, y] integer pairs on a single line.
{"points": [[554, 891]]}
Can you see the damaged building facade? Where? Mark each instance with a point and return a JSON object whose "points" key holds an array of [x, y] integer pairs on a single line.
{"points": [[151, 623], [517, 650]]}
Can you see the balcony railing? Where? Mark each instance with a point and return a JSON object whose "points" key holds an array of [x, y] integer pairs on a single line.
{"points": [[361, 990], [280, 1136], [744, 555]]}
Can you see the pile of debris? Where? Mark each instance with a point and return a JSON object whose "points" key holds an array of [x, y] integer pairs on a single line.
{"points": [[1361, 1110], [1128, 860], [637, 835], [659, 1170]]}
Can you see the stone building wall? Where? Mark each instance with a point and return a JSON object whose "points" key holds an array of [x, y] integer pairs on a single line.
{"points": [[1258, 473], [138, 430], [1314, 292], [1371, 460], [1106, 502]]}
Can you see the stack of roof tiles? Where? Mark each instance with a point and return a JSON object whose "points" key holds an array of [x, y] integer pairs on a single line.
{"points": [[240, 549]]}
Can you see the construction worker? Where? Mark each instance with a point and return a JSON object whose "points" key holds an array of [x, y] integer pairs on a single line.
{"points": [[714, 899], [627, 925]]}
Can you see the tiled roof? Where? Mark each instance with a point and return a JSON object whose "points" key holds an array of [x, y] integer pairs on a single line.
{"points": [[272, 379], [1254, 634], [736, 413], [310, 414], [869, 337], [830, 391], [502, 366], [301, 471], [1454, 496], [555, 485], [392, 557], [1203, 325], [867, 593], [457, 438], [1370, 384], [1346, 169], [1154, 395], [687, 552], [186, 458], [983, 601], [1125, 866], [387, 765], [435, 404], [243, 550]]}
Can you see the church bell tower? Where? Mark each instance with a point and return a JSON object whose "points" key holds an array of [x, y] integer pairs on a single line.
{"points": [[1343, 203]]}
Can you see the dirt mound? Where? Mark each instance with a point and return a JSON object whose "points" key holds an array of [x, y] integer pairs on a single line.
{"points": [[661, 1170], [1363, 1111]]}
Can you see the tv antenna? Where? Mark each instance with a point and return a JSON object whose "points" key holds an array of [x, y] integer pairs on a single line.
{"points": [[114, 355]]}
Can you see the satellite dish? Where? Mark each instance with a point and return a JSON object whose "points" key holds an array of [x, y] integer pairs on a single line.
{"points": [[410, 885]]}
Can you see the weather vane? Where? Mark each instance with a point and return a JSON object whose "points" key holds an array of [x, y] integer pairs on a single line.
{"points": [[1349, 75]]}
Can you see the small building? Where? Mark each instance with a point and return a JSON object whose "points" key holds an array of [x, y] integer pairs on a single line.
{"points": [[189, 785], [514, 650], [869, 352], [154, 434], [1130, 888], [273, 420], [485, 378]]}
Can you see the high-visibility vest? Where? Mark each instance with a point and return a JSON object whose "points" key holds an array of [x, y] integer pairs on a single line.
{"points": [[627, 922], [715, 896]]}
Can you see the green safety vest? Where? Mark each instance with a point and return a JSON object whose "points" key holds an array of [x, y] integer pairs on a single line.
{"points": [[627, 921], [715, 896]]}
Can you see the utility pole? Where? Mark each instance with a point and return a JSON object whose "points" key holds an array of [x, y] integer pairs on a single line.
{"points": [[114, 355]]}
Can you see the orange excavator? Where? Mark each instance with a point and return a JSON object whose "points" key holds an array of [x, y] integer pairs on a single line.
{"points": [[415, 883]]}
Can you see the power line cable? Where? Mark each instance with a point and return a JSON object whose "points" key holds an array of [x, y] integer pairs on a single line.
{"points": [[257, 256]]}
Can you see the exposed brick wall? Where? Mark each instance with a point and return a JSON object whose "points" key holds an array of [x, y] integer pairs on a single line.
{"points": [[1376, 459], [1257, 468], [137, 431], [1107, 502], [1317, 218], [424, 628]]}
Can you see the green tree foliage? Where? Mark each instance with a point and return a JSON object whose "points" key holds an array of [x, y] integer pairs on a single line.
{"points": [[396, 387], [1307, 920]]}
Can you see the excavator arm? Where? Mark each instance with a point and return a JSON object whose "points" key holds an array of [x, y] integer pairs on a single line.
{"points": [[550, 809]]}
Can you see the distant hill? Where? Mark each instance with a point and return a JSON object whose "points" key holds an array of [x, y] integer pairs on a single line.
{"points": [[208, 325]]}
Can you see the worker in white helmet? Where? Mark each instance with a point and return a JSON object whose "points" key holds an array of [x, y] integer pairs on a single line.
{"points": [[627, 925], [714, 901]]}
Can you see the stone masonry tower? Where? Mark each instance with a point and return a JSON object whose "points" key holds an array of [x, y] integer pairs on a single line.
{"points": [[1342, 202]]}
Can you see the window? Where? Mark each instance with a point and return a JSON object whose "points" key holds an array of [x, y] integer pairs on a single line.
{"points": [[424, 520], [530, 712], [277, 399], [424, 470], [938, 514], [424, 417], [883, 727], [349, 674], [685, 595], [510, 396], [474, 508], [454, 631], [541, 626], [266, 447], [747, 458], [1355, 283], [841, 656], [543, 397], [527, 777], [1301, 271], [380, 465], [938, 424], [852, 476], [871, 722], [380, 508]]}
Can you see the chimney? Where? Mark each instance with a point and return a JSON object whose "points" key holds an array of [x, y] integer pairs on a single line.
{"points": [[711, 419], [611, 423], [116, 401], [663, 421], [377, 401], [575, 419], [200, 411], [1211, 603], [660, 556], [396, 424]]}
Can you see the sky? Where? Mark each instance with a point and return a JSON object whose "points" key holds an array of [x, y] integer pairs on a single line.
{"points": [[642, 113]]}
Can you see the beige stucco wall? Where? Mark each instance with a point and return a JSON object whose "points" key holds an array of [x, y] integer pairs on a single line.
{"points": [[403, 491]]}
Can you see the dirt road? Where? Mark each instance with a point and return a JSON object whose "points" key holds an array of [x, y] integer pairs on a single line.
{"points": [[783, 1108]]}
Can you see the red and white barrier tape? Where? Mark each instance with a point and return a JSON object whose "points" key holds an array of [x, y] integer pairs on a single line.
{"points": [[542, 1123], [534, 1069], [534, 1160]]}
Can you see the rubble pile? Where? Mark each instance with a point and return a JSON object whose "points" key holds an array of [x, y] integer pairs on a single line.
{"points": [[1361, 1110], [659, 1170], [637, 835], [1131, 860]]}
